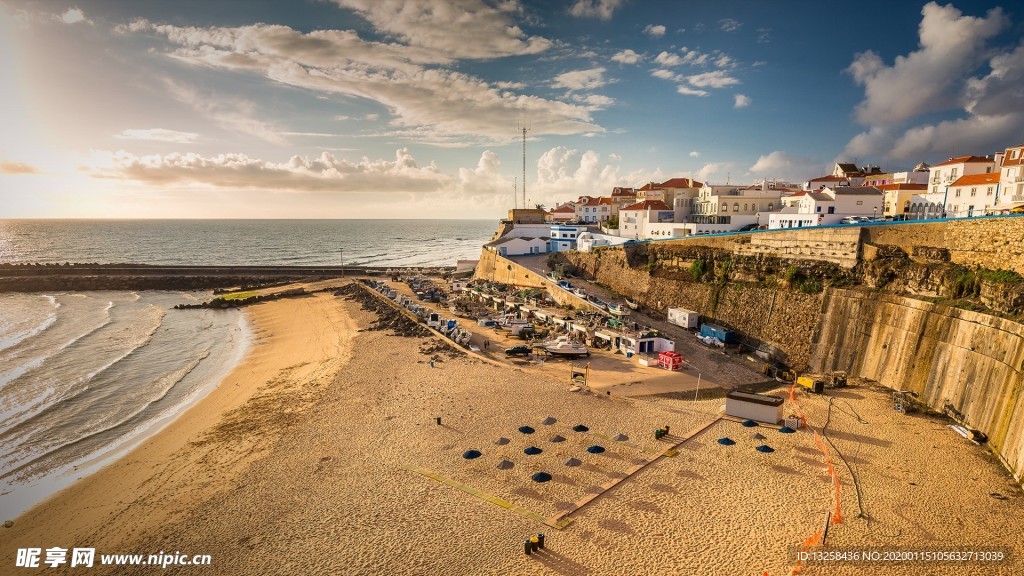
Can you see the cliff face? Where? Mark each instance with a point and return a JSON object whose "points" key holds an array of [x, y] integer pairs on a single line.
{"points": [[951, 357]]}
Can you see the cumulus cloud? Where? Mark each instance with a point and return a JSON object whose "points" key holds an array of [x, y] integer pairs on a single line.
{"points": [[325, 173], [158, 135], [711, 169], [17, 168], [687, 91], [730, 25], [779, 164], [937, 78], [929, 78], [714, 79], [654, 30], [627, 57], [581, 79], [74, 16], [601, 9], [456, 28], [694, 154], [440, 105], [741, 101]]}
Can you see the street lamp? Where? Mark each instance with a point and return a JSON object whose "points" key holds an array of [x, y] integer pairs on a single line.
{"points": [[875, 215]]}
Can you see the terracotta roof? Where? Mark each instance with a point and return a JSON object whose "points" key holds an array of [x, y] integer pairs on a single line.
{"points": [[648, 205], [975, 179], [680, 183], [800, 193], [565, 208], [887, 187], [1019, 160], [963, 160], [598, 201], [620, 191], [828, 179]]}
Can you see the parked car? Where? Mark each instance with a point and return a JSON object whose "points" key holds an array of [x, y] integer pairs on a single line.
{"points": [[850, 220], [518, 351]]}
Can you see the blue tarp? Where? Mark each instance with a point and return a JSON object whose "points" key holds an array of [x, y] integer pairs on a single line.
{"points": [[526, 430], [765, 448], [471, 454], [541, 477], [580, 428], [532, 450], [595, 449], [786, 430]]}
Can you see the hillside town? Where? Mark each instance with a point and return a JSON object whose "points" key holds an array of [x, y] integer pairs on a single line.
{"points": [[962, 187]]}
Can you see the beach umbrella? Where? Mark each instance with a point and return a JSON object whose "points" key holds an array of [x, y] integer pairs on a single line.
{"points": [[572, 462], [580, 428], [501, 441], [595, 449], [620, 438], [548, 421], [765, 448], [505, 465], [557, 438], [750, 424], [471, 454], [541, 477], [526, 430], [786, 430], [726, 441], [532, 450]]}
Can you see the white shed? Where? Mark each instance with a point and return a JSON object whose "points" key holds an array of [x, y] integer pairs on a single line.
{"points": [[759, 407], [683, 317]]}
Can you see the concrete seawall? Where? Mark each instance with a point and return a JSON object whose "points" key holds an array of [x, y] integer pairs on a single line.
{"points": [[950, 357]]}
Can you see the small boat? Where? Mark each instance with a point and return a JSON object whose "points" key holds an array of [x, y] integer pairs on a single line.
{"points": [[618, 309], [632, 305], [579, 292], [566, 347]]}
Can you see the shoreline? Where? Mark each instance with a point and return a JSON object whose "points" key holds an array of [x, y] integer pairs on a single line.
{"points": [[287, 344], [69, 474]]}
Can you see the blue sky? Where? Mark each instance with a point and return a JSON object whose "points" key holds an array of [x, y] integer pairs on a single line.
{"points": [[370, 109]]}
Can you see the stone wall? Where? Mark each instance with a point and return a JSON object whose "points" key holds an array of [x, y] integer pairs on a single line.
{"points": [[949, 356], [497, 269], [985, 242]]}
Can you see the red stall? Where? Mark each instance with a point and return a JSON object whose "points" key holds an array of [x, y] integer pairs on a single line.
{"points": [[670, 360]]}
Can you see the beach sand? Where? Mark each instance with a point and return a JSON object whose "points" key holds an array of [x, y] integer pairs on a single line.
{"points": [[312, 473]]}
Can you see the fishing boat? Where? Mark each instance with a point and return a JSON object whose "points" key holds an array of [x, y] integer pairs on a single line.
{"points": [[566, 347], [632, 305], [618, 309]]}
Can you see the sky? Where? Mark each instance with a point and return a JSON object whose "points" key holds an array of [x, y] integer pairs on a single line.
{"points": [[413, 109]]}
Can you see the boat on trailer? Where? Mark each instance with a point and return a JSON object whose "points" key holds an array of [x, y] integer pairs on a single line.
{"points": [[565, 347]]}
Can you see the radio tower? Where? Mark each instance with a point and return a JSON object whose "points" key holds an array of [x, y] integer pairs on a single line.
{"points": [[523, 127]]}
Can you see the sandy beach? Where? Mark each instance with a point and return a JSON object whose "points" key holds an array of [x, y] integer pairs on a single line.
{"points": [[320, 454]]}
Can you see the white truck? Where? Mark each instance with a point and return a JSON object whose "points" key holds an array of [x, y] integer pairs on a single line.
{"points": [[683, 317]]}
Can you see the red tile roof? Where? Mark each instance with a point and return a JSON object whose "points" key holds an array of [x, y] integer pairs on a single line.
{"points": [[976, 179], [648, 205], [829, 178], [565, 208], [963, 160], [598, 201], [1019, 160], [680, 183]]}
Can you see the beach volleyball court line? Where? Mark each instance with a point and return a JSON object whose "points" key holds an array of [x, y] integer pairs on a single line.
{"points": [[483, 495]]}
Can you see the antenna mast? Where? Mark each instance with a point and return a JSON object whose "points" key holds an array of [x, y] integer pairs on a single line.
{"points": [[522, 126], [515, 192]]}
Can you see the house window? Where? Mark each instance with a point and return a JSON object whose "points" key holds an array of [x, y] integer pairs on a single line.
{"points": [[935, 189], [989, 193], [770, 206], [974, 191], [725, 207], [736, 207], [831, 209], [744, 207], [860, 202], [952, 173], [957, 193], [817, 208]]}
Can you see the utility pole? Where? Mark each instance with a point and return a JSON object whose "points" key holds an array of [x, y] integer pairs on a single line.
{"points": [[515, 192]]}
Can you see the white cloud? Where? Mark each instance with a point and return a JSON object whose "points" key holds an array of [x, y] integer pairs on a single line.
{"points": [[455, 28], [930, 78], [764, 35], [712, 169], [779, 164], [74, 16], [17, 168], [443, 107], [687, 91], [741, 101], [325, 173], [664, 74], [627, 57], [694, 154], [730, 25], [654, 30], [158, 135], [714, 79], [580, 79], [668, 59], [602, 9]]}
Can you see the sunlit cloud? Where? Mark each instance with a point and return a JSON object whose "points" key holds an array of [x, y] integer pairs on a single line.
{"points": [[158, 135], [17, 168]]}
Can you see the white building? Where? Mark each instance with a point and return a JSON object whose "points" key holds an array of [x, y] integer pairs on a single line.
{"points": [[973, 195], [564, 237], [635, 219], [725, 204], [594, 210], [943, 174], [587, 241], [1011, 179], [829, 206], [509, 245]]}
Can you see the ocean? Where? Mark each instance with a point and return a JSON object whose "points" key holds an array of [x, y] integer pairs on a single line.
{"points": [[86, 376], [245, 242]]}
